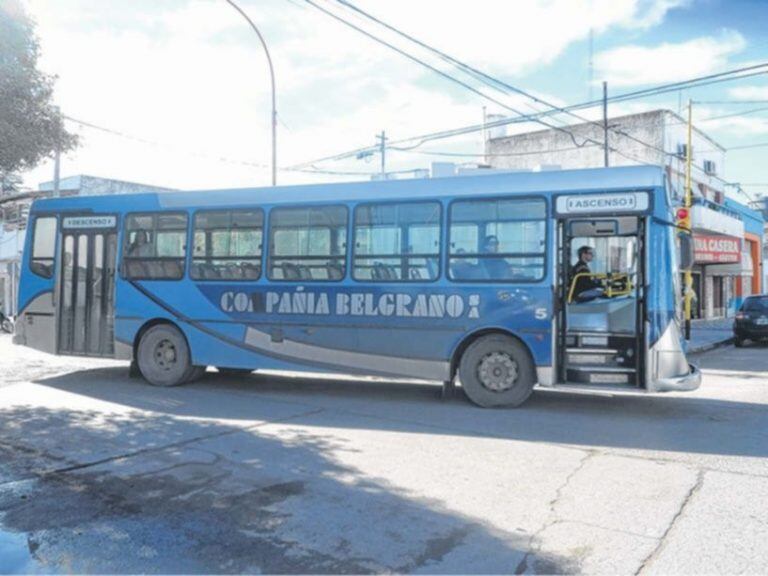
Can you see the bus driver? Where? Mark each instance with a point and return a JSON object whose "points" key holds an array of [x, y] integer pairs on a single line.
{"points": [[587, 288]]}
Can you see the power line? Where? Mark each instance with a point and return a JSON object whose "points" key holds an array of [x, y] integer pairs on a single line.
{"points": [[747, 146], [442, 73], [734, 114], [500, 155], [460, 131], [485, 78], [310, 170], [731, 102]]}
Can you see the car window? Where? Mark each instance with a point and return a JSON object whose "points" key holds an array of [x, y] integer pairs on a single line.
{"points": [[756, 304]]}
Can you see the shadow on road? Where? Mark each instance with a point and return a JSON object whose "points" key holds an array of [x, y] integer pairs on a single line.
{"points": [[677, 423], [219, 499]]}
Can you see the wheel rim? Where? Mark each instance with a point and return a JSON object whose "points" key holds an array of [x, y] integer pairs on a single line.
{"points": [[165, 355], [497, 371]]}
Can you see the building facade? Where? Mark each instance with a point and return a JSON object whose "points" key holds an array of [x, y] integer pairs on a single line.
{"points": [[13, 223], [728, 235]]}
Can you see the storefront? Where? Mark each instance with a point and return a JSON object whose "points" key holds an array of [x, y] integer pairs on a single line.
{"points": [[718, 269]]}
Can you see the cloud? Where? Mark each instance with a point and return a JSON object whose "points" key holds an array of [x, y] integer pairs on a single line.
{"points": [[191, 75], [634, 65], [749, 93]]}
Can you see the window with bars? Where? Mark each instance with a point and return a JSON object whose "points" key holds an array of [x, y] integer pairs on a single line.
{"points": [[397, 242], [308, 244], [227, 245], [155, 246], [497, 240]]}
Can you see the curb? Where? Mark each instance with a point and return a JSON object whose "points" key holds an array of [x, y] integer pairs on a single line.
{"points": [[710, 346]]}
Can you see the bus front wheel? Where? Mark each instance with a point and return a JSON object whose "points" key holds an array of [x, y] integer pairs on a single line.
{"points": [[163, 356], [496, 370]]}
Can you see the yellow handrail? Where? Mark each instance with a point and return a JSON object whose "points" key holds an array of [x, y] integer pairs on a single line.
{"points": [[609, 291]]}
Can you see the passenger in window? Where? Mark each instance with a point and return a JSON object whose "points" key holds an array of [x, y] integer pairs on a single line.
{"points": [[494, 268], [587, 288], [460, 268], [140, 247]]}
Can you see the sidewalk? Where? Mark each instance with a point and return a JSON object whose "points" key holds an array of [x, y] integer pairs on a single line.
{"points": [[708, 334]]}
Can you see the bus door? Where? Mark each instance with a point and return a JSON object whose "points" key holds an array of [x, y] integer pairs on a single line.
{"points": [[87, 286], [600, 325]]}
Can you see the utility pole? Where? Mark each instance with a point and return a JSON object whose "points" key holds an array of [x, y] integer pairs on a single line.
{"points": [[57, 157], [382, 138], [688, 201], [272, 81], [605, 122]]}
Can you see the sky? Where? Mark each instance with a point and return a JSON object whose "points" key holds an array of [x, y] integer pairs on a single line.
{"points": [[180, 88]]}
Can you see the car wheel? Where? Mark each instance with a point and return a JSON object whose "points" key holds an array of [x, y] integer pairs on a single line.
{"points": [[738, 342], [163, 356], [496, 370]]}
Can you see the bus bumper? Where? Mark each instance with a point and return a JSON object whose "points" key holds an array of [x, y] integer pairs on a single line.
{"points": [[686, 383]]}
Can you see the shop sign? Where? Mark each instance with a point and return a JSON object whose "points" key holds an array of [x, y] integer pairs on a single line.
{"points": [[716, 249]]}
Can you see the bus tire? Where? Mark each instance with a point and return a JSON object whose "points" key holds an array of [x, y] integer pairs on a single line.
{"points": [[163, 356], [496, 370], [234, 372]]}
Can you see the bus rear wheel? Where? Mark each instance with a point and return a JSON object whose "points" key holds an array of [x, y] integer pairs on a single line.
{"points": [[163, 356], [496, 370]]}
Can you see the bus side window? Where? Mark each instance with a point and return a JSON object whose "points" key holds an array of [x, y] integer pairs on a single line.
{"points": [[497, 240], [155, 246], [397, 242], [308, 244], [43, 247], [227, 245]]}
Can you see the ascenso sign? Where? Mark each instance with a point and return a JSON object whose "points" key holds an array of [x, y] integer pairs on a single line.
{"points": [[602, 203]]}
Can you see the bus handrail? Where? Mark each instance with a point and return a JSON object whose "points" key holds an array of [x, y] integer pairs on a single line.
{"points": [[610, 292]]}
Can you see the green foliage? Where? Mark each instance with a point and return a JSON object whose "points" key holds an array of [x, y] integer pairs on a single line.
{"points": [[30, 125]]}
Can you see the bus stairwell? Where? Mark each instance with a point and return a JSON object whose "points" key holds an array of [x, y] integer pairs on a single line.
{"points": [[600, 324]]}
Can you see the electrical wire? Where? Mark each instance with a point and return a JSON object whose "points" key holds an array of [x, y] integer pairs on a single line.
{"points": [[497, 83], [312, 170], [661, 89], [444, 74]]}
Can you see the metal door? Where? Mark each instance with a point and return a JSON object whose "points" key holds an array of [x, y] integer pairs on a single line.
{"points": [[87, 284]]}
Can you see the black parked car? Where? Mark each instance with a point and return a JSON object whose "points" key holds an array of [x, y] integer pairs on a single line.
{"points": [[751, 321]]}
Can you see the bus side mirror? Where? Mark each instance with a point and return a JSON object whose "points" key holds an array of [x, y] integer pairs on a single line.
{"points": [[685, 242]]}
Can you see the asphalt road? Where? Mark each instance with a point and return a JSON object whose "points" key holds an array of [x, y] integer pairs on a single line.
{"points": [[102, 473]]}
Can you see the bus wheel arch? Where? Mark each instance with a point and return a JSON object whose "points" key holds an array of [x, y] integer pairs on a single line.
{"points": [[496, 368], [169, 362]]}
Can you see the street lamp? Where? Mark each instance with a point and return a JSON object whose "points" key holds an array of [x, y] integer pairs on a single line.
{"points": [[274, 98]]}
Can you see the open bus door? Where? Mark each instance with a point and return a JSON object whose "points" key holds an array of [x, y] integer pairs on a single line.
{"points": [[600, 325], [86, 284]]}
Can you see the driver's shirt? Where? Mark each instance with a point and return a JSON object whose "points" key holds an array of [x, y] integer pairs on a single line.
{"points": [[583, 283]]}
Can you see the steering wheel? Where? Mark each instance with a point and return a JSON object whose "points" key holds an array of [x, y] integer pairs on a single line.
{"points": [[618, 284]]}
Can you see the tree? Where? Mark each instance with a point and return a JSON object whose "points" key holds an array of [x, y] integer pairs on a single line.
{"points": [[31, 127]]}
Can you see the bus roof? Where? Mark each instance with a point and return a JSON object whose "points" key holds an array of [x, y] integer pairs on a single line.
{"points": [[584, 180]]}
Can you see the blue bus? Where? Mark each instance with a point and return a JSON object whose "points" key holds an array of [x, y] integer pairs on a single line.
{"points": [[501, 281]]}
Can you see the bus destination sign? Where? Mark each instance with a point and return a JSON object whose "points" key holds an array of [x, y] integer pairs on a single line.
{"points": [[602, 203], [89, 222]]}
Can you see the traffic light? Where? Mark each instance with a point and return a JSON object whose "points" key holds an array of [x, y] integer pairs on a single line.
{"points": [[684, 218]]}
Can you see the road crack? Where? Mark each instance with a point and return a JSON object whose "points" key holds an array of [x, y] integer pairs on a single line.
{"points": [[534, 543], [662, 540]]}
